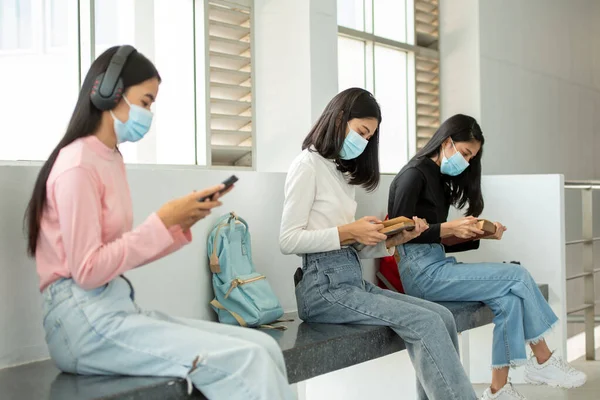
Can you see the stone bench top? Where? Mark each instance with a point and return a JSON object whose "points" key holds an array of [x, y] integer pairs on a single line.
{"points": [[309, 349]]}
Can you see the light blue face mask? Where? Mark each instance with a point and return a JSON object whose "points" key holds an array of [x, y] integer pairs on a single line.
{"points": [[137, 125], [354, 145], [454, 165]]}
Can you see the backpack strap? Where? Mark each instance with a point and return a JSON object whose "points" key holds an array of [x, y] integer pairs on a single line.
{"points": [[215, 303], [215, 267], [278, 328], [232, 219]]}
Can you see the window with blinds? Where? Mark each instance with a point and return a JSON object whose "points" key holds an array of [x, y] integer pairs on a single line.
{"points": [[229, 85], [427, 70], [391, 49]]}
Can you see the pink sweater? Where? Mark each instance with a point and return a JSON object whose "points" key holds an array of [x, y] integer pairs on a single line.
{"points": [[86, 230]]}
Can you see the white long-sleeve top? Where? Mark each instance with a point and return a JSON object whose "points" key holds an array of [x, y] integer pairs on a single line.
{"points": [[318, 199]]}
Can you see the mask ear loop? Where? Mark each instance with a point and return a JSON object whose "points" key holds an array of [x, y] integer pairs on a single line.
{"points": [[112, 114]]}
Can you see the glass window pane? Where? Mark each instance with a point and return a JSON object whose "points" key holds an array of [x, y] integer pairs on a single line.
{"points": [[390, 91], [108, 22], [351, 63], [16, 25], [351, 14], [59, 14], [31, 127], [163, 32], [390, 19]]}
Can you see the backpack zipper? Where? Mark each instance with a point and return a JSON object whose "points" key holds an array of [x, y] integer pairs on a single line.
{"points": [[239, 282]]}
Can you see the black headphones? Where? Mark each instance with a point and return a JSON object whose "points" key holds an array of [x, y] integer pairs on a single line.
{"points": [[108, 86]]}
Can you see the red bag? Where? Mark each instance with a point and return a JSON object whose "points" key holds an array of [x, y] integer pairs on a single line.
{"points": [[388, 276]]}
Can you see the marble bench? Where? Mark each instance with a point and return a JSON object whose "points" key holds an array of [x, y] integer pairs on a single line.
{"points": [[309, 350]]}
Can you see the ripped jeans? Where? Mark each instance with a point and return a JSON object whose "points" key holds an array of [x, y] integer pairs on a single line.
{"points": [[521, 314], [103, 332]]}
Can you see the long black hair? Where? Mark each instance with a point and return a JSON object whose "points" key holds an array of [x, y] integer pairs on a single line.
{"points": [[85, 121], [466, 187], [328, 134]]}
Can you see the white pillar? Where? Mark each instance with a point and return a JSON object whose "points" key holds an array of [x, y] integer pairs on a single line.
{"points": [[295, 66]]}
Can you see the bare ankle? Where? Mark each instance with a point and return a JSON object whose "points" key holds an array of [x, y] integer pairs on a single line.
{"points": [[495, 388], [542, 358]]}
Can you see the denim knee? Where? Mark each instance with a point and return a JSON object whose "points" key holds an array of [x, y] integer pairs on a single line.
{"points": [[435, 323], [448, 319], [522, 274], [511, 303]]}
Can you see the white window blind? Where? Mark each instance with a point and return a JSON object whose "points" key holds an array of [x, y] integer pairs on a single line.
{"points": [[390, 47], [427, 70], [229, 119]]}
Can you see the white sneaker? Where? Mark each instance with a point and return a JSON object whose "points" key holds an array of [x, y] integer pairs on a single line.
{"points": [[508, 392], [555, 372]]}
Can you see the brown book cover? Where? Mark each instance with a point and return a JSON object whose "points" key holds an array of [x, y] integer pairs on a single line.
{"points": [[391, 227], [486, 226]]}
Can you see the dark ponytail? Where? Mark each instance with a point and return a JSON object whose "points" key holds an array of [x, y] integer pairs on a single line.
{"points": [[85, 121]]}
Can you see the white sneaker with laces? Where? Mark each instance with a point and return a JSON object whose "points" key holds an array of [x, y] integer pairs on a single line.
{"points": [[555, 372], [508, 392]]}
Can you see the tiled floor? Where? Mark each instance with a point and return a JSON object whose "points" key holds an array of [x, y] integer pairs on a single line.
{"points": [[590, 391]]}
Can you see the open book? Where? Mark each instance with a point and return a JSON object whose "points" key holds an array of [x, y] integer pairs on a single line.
{"points": [[486, 226], [391, 227]]}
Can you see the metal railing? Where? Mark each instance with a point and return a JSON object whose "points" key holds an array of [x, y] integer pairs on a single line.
{"points": [[589, 297]]}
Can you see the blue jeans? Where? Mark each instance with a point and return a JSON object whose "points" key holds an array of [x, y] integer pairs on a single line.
{"points": [[103, 332], [522, 315], [333, 291]]}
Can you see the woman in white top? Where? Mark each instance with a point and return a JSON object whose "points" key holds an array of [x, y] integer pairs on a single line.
{"points": [[340, 153]]}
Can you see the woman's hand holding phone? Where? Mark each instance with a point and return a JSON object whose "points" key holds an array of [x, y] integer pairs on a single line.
{"points": [[186, 211]]}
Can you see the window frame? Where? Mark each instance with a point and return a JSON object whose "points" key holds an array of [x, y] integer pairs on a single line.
{"points": [[41, 43], [34, 48], [413, 52]]}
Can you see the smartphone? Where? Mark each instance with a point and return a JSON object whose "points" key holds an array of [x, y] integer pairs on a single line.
{"points": [[227, 182]]}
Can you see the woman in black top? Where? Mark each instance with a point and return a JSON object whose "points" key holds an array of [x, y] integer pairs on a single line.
{"points": [[447, 172]]}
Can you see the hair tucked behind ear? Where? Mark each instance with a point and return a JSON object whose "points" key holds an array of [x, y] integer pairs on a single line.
{"points": [[328, 134], [466, 187], [84, 122]]}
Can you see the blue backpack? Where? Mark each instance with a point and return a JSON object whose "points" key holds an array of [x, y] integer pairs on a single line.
{"points": [[242, 295]]}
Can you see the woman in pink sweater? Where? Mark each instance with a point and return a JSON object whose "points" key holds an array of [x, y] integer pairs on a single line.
{"points": [[79, 222]]}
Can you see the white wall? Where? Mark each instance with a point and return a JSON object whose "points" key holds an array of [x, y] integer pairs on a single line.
{"points": [[530, 71], [459, 53], [540, 86]]}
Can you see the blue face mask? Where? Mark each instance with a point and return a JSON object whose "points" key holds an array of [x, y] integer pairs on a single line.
{"points": [[354, 145], [137, 125], [454, 165]]}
